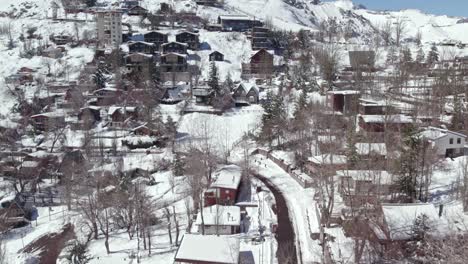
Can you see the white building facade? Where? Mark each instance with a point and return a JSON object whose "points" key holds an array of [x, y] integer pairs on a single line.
{"points": [[109, 27]]}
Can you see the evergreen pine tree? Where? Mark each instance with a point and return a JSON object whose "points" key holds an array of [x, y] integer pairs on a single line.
{"points": [[406, 55], [213, 81], [171, 126], [228, 83], [392, 55], [91, 3], [420, 56], [351, 150], [273, 119], [433, 55], [178, 166], [407, 168], [300, 105], [457, 123], [420, 227]]}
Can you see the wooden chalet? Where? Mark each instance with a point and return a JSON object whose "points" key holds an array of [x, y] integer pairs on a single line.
{"points": [[120, 114], [216, 56], [173, 62], [141, 47], [203, 95], [382, 123], [174, 47], [238, 23], [140, 62], [156, 37], [137, 11], [246, 94], [189, 38], [107, 96], [260, 64], [47, 121], [345, 102]]}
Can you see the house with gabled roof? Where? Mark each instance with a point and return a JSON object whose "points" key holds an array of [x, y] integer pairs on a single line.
{"points": [[246, 94], [219, 220], [189, 38], [156, 37], [224, 188], [446, 143], [174, 47]]}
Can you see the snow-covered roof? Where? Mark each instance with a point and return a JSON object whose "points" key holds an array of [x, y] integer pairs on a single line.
{"points": [[113, 109], [50, 114], [377, 177], [6, 123], [400, 218], [328, 159], [138, 54], [29, 164], [220, 215], [435, 133], [387, 118], [209, 249], [234, 17], [174, 53], [368, 148], [227, 177], [179, 43], [248, 86], [344, 92]]}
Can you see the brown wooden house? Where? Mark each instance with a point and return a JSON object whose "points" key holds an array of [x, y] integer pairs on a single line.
{"points": [[189, 38]]}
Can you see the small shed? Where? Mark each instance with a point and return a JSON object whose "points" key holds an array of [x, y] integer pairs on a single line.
{"points": [[216, 56]]}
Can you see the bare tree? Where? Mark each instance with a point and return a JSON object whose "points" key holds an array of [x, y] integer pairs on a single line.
{"points": [[400, 30]]}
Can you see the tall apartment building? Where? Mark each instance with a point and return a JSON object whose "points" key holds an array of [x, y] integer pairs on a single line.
{"points": [[109, 27]]}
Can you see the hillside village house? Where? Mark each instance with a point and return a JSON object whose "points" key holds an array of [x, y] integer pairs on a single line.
{"points": [[107, 96], [156, 37], [47, 121], [174, 47], [119, 114], [373, 107], [396, 222], [140, 62], [225, 186], [260, 64], [344, 102], [326, 164], [216, 56], [189, 38], [219, 220], [237, 23], [246, 94], [137, 11], [203, 94], [371, 155], [381, 123], [141, 46], [209, 249], [447, 143], [365, 186]]}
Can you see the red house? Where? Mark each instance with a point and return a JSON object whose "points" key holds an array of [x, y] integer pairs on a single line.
{"points": [[224, 188]]}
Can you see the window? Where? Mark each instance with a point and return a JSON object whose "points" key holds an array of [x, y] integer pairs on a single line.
{"points": [[451, 141], [458, 140]]}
